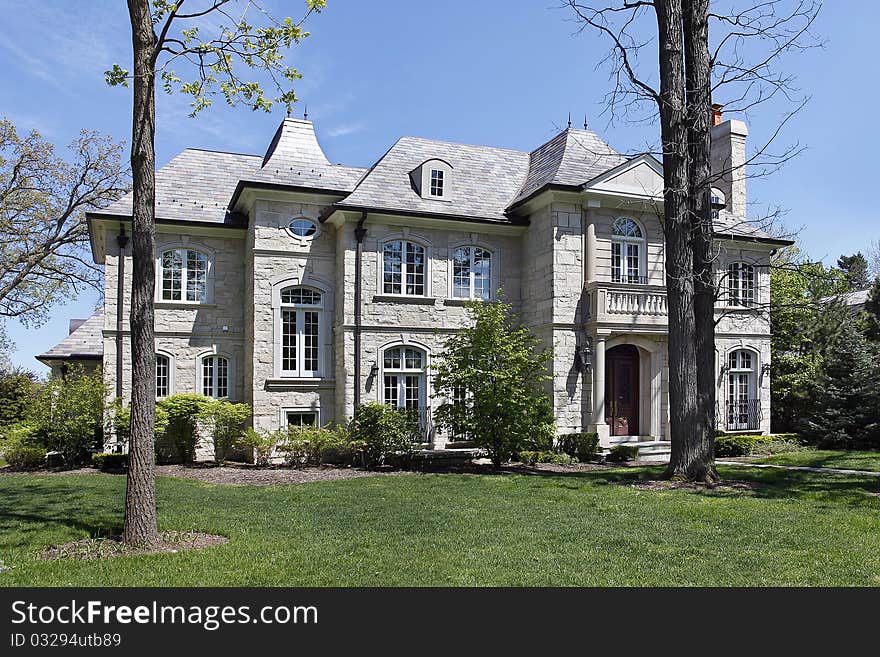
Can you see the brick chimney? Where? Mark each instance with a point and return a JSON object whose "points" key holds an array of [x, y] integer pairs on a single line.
{"points": [[728, 160]]}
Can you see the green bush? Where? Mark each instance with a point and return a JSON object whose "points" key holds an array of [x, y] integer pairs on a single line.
{"points": [[383, 432], [739, 444], [20, 457], [177, 443], [322, 444], [121, 422], [621, 453], [261, 443], [582, 446], [19, 393], [110, 462], [530, 457], [20, 434], [224, 421], [70, 414]]}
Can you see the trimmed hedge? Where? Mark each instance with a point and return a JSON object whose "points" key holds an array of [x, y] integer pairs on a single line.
{"points": [[530, 457], [21, 457], [110, 462], [582, 446], [738, 444], [621, 453]]}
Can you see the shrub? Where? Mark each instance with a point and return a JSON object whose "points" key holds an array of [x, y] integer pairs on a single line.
{"points": [[225, 423], [110, 462], [739, 444], [262, 443], [21, 434], [621, 453], [530, 457], [20, 457], [19, 392], [582, 446], [383, 432], [322, 444], [121, 422], [70, 414], [177, 444]]}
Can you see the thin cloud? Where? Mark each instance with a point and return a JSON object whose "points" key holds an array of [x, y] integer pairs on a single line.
{"points": [[346, 129]]}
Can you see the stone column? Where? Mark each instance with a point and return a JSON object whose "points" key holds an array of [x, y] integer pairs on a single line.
{"points": [[589, 248], [599, 424]]}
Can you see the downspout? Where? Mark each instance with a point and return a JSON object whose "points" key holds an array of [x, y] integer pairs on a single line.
{"points": [[122, 241], [359, 233]]}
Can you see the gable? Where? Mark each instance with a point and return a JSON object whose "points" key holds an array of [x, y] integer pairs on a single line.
{"points": [[640, 177]]}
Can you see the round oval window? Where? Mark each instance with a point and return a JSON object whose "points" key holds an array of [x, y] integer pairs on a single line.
{"points": [[303, 227]]}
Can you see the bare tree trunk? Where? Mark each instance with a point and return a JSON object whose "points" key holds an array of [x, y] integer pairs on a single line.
{"points": [[140, 496], [679, 258], [701, 452]]}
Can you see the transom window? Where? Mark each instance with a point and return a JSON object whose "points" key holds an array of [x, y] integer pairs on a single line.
{"points": [[627, 252], [742, 402], [740, 284], [404, 378], [403, 268], [302, 227], [471, 273], [215, 376], [300, 317], [437, 180], [163, 376], [184, 275]]}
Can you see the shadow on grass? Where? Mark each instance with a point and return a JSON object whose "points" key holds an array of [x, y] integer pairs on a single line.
{"points": [[35, 504]]}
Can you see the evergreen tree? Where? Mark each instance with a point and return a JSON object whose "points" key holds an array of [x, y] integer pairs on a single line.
{"points": [[855, 268], [871, 314]]}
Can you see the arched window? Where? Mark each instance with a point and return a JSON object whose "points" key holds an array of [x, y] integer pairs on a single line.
{"points": [[627, 252], [404, 268], [471, 273], [184, 275], [740, 284], [403, 370], [163, 376], [742, 402], [215, 376], [300, 318]]}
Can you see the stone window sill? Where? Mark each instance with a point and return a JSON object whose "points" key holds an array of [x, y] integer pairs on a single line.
{"points": [[400, 298], [299, 383], [182, 304], [461, 302]]}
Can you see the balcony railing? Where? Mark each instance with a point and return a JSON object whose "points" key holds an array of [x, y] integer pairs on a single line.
{"points": [[617, 277], [741, 415], [621, 303], [625, 302]]}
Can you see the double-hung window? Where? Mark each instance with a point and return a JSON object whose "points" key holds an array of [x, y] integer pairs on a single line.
{"points": [[300, 318], [184, 275], [404, 268], [471, 273], [740, 284]]}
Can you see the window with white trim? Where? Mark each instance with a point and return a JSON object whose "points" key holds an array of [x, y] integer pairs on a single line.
{"points": [[404, 378], [627, 252], [184, 275], [163, 376], [215, 376], [300, 315], [302, 228], [298, 418], [437, 182], [742, 403], [404, 268], [471, 273], [740, 284]]}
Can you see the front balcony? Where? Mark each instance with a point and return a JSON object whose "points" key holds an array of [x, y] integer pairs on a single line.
{"points": [[740, 415], [625, 304]]}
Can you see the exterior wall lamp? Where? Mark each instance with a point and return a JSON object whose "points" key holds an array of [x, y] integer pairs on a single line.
{"points": [[583, 357], [374, 370], [765, 368]]}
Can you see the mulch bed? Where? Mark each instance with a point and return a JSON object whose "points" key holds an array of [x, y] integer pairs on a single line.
{"points": [[665, 484], [104, 548]]}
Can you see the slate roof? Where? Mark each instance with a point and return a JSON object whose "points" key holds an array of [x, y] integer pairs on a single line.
{"points": [[86, 341], [572, 157], [729, 224], [484, 180]]}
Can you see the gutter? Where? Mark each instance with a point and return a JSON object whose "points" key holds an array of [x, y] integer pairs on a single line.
{"points": [[122, 241], [360, 232]]}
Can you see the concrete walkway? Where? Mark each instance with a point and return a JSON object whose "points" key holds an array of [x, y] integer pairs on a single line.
{"points": [[803, 468]]}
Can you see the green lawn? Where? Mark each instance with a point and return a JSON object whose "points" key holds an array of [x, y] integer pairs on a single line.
{"points": [[579, 529], [826, 458]]}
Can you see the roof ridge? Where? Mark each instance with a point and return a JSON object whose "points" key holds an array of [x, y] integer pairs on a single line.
{"points": [[214, 150], [458, 143]]}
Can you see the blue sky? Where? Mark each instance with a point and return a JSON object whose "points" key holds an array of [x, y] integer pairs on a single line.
{"points": [[493, 72]]}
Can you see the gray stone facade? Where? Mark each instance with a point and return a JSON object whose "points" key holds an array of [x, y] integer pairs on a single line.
{"points": [[552, 255]]}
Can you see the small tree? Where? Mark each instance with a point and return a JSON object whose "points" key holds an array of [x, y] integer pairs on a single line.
{"points": [[491, 373], [871, 315], [855, 268], [19, 391], [70, 414]]}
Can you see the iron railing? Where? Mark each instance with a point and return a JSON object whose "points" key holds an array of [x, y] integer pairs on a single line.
{"points": [[619, 277], [741, 415]]}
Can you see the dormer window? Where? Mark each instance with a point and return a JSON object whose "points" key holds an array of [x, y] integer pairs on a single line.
{"points": [[437, 182], [432, 180]]}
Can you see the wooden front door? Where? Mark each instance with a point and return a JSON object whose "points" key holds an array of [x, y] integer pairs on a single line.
{"points": [[622, 390]]}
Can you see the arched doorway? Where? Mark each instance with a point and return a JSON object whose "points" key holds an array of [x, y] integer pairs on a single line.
{"points": [[622, 390]]}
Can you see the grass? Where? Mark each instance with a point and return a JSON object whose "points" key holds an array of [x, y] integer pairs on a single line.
{"points": [[796, 528], [826, 458]]}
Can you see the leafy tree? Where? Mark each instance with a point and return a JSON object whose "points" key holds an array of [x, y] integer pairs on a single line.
{"points": [[855, 268], [70, 414], [19, 392], [44, 254], [845, 397], [170, 45], [491, 374]]}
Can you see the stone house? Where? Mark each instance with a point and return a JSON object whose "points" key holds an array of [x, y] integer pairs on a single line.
{"points": [[305, 288]]}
